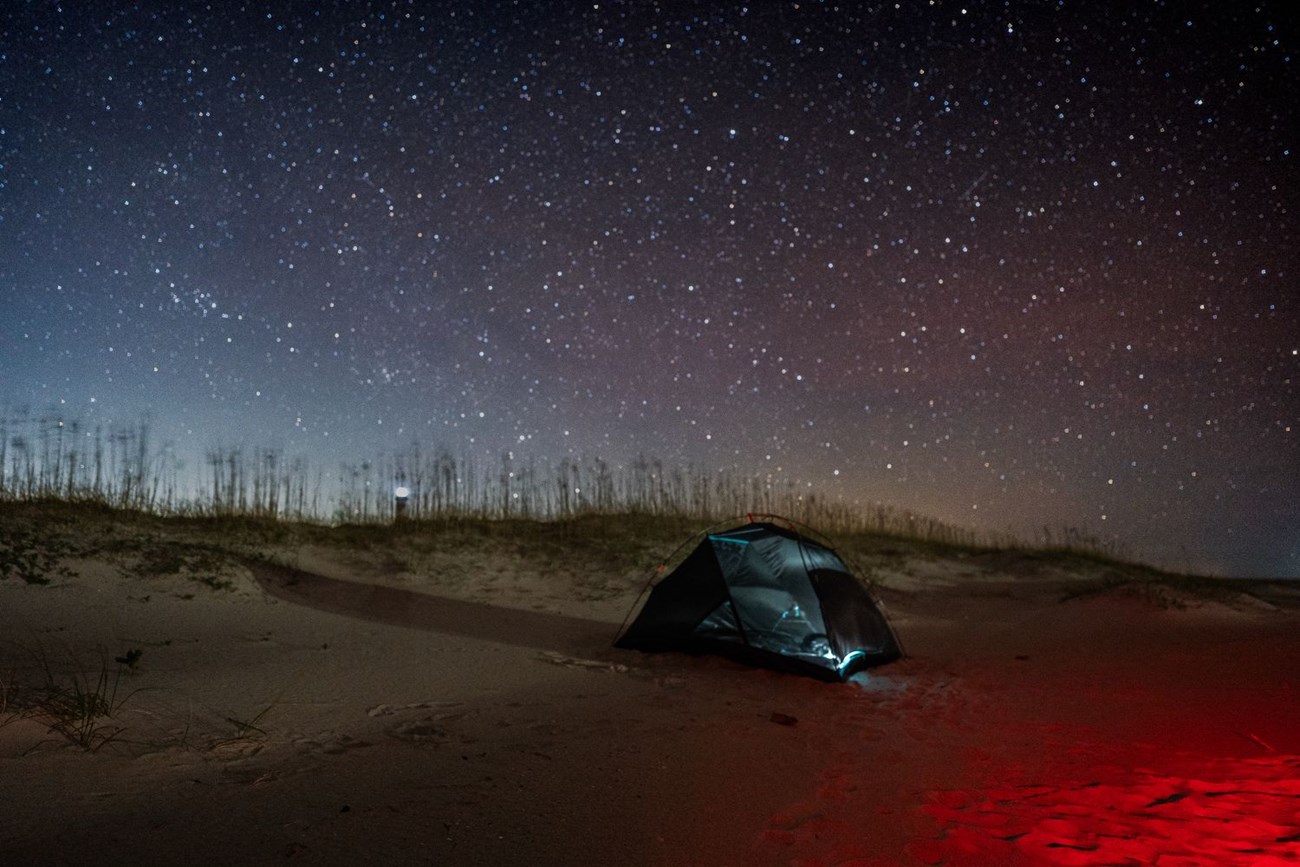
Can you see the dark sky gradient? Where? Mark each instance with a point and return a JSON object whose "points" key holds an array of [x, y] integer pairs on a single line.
{"points": [[1007, 264]]}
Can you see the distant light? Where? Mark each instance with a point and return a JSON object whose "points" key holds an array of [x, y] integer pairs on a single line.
{"points": [[401, 492]]}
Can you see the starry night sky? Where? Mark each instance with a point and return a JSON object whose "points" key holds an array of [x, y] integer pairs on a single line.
{"points": [[1006, 264]]}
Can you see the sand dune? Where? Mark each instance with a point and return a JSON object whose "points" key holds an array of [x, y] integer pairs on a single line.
{"points": [[333, 706]]}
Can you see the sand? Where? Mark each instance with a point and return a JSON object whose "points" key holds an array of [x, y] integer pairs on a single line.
{"points": [[333, 706]]}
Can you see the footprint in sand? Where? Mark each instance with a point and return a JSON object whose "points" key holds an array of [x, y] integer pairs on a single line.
{"points": [[329, 743], [421, 731], [236, 748], [389, 709]]}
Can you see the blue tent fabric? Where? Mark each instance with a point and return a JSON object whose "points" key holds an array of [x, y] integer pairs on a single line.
{"points": [[770, 597]]}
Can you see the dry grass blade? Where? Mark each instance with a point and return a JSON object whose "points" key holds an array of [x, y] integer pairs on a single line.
{"points": [[82, 706]]}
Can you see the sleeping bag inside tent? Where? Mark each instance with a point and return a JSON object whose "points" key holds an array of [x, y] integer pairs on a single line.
{"points": [[767, 596]]}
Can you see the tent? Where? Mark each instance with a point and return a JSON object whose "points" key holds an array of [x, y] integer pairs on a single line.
{"points": [[767, 596]]}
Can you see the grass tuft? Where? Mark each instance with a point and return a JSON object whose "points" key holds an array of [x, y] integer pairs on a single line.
{"points": [[82, 705]]}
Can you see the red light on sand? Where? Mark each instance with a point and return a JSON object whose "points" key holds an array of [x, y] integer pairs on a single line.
{"points": [[1236, 812]]}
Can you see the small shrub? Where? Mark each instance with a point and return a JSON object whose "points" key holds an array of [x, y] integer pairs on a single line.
{"points": [[81, 706], [202, 564], [33, 557]]}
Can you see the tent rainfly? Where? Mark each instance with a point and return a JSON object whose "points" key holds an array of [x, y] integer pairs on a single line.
{"points": [[769, 597]]}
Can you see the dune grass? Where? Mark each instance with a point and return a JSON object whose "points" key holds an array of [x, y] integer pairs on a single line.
{"points": [[612, 518], [47, 458], [79, 703]]}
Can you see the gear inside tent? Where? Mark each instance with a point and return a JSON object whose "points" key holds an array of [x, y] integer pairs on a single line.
{"points": [[768, 596]]}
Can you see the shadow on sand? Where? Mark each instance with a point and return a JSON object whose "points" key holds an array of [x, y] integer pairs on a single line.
{"points": [[397, 607]]}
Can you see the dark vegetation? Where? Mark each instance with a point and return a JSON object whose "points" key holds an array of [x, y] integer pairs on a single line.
{"points": [[575, 518], [26, 554], [51, 458]]}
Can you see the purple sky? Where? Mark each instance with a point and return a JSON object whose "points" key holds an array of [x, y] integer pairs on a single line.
{"points": [[1011, 265]]}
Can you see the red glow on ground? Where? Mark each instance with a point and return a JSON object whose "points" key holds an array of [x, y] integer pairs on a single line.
{"points": [[1244, 812]]}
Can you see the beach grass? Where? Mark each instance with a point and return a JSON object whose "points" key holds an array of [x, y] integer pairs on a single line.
{"points": [[257, 493]]}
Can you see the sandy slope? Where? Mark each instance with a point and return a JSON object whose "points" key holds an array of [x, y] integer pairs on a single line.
{"points": [[350, 709]]}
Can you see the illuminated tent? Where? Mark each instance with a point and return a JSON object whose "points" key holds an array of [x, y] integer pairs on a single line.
{"points": [[770, 597]]}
